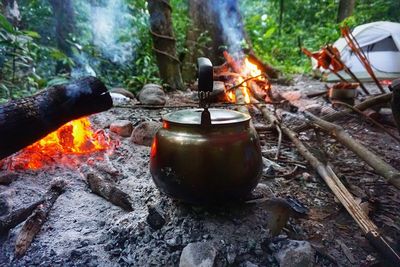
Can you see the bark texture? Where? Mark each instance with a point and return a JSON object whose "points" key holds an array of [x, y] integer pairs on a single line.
{"points": [[164, 43], [10, 10], [63, 12], [26, 120], [345, 10]]}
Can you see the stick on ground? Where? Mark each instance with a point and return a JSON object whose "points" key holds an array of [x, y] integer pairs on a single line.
{"points": [[17, 216], [390, 174], [34, 223], [108, 191]]}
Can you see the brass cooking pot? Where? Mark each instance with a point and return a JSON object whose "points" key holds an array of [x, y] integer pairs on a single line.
{"points": [[206, 164]]}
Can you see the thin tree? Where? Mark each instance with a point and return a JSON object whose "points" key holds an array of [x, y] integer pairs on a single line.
{"points": [[10, 10], [345, 10], [63, 13], [164, 43]]}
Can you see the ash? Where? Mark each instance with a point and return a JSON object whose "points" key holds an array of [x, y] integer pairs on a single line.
{"points": [[83, 229]]}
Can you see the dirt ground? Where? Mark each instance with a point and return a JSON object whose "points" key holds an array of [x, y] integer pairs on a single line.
{"points": [[83, 229]]}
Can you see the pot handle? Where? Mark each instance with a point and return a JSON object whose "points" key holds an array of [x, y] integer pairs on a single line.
{"points": [[205, 74]]}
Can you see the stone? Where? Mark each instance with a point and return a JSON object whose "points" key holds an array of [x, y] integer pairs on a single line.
{"points": [[295, 253], [249, 264], [144, 133], [155, 219], [199, 254], [313, 108], [152, 94], [123, 92], [123, 128]]}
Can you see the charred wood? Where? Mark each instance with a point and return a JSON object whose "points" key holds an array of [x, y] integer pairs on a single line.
{"points": [[25, 121], [34, 223], [108, 191], [17, 216], [395, 103]]}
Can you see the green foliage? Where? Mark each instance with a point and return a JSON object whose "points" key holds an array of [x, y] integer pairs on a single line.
{"points": [[307, 23]]}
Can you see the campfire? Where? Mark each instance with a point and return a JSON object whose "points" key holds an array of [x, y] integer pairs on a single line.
{"points": [[62, 146], [245, 74]]}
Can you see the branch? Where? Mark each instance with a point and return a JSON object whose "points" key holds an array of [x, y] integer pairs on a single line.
{"points": [[390, 174]]}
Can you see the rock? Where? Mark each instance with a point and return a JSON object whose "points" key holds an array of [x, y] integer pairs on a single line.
{"points": [[295, 253], [200, 254], [313, 108], [292, 95], [119, 99], [155, 219], [144, 133], [123, 128], [123, 92], [152, 94]]}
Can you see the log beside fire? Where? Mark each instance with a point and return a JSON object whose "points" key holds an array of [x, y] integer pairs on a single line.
{"points": [[24, 121]]}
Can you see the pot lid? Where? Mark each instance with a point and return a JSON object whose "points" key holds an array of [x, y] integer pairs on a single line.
{"points": [[218, 116]]}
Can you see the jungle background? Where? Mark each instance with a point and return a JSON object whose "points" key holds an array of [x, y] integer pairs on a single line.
{"points": [[46, 42]]}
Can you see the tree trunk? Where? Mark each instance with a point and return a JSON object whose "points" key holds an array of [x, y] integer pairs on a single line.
{"points": [[346, 8], [65, 24], [165, 43], [215, 26], [10, 10]]}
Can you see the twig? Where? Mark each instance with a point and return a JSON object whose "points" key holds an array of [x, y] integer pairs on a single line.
{"points": [[370, 102], [17, 216], [390, 174], [108, 191], [244, 81], [341, 192], [278, 149], [371, 120], [36, 220]]}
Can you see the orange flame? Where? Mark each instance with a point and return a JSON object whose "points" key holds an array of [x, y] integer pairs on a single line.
{"points": [[248, 70], [73, 138]]}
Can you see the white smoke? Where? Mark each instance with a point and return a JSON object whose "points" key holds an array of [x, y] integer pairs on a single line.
{"points": [[108, 25], [230, 22]]}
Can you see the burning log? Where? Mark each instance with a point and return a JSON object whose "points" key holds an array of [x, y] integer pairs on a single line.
{"points": [[108, 191], [36, 220], [382, 168], [16, 217], [24, 121]]}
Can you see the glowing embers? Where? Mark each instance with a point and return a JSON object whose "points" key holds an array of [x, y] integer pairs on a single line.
{"points": [[62, 146]]}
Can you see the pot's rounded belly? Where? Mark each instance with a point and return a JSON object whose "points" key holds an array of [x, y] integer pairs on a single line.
{"points": [[206, 168]]}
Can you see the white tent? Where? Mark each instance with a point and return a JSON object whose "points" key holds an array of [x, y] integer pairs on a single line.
{"points": [[380, 42]]}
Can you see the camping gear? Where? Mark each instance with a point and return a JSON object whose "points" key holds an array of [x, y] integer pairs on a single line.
{"points": [[380, 42], [204, 155]]}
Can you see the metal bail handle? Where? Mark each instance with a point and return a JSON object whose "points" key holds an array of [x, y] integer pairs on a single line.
{"points": [[205, 74]]}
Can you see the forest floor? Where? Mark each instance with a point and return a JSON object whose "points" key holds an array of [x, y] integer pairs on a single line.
{"points": [[83, 229]]}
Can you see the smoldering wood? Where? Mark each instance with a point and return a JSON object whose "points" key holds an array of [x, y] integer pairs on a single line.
{"points": [[340, 191], [164, 43], [109, 191], [17, 216], [34, 223], [25, 121], [390, 174]]}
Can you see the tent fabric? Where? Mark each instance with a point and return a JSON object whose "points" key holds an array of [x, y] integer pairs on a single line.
{"points": [[380, 42]]}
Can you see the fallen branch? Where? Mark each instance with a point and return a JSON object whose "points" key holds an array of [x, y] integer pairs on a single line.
{"points": [[17, 216], [390, 174], [371, 120], [37, 219], [108, 191], [340, 191], [370, 102]]}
